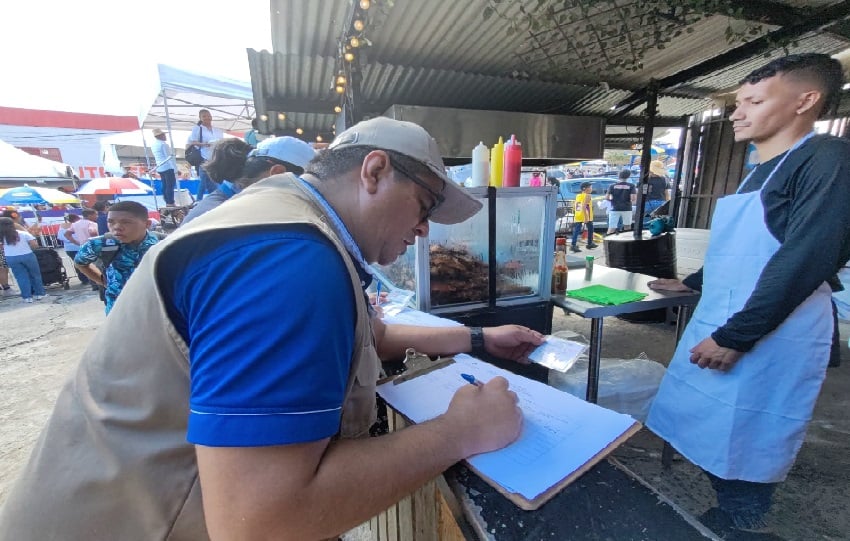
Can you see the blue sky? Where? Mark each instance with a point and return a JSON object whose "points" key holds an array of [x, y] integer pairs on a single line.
{"points": [[97, 56]]}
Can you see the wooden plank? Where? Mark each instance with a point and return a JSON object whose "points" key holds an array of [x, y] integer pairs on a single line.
{"points": [[448, 529], [405, 518], [392, 523], [425, 513]]}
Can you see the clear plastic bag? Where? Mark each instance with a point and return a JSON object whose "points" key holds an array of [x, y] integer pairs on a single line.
{"points": [[625, 385]]}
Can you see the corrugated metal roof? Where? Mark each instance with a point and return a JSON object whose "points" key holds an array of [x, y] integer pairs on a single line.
{"points": [[443, 52]]}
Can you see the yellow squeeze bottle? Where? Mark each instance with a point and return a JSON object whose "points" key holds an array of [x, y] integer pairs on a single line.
{"points": [[496, 156]]}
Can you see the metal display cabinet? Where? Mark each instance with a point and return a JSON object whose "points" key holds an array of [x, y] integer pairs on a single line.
{"points": [[495, 268]]}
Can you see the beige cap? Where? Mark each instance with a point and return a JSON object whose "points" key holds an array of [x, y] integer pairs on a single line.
{"points": [[414, 142], [157, 132], [657, 168]]}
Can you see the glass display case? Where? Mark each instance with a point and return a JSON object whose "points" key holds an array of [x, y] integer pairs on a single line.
{"points": [[499, 258]]}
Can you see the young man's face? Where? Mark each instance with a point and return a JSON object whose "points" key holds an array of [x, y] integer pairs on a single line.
{"points": [[765, 108], [127, 227]]}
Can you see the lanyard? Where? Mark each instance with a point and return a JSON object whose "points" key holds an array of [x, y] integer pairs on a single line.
{"points": [[345, 236], [797, 145]]}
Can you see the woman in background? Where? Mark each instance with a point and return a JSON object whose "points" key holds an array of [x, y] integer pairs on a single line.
{"points": [[18, 246]]}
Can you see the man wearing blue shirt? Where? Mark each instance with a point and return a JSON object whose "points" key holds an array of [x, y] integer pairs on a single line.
{"points": [[230, 394]]}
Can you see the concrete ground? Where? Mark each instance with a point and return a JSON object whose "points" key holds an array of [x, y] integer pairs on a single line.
{"points": [[40, 345], [813, 503]]}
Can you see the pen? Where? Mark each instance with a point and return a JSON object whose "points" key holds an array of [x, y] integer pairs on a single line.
{"points": [[378, 295], [471, 379]]}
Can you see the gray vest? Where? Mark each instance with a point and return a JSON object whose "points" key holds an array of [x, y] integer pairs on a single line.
{"points": [[113, 461]]}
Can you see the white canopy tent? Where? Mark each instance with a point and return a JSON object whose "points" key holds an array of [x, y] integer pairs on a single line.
{"points": [[18, 167], [181, 94]]}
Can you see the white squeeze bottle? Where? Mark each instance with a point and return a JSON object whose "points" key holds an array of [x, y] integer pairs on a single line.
{"points": [[480, 165]]}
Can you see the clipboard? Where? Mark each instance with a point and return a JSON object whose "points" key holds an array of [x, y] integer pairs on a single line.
{"points": [[563, 436]]}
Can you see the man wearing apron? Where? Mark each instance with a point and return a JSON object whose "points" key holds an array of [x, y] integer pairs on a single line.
{"points": [[742, 385]]}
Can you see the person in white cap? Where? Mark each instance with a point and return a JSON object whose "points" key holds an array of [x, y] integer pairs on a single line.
{"points": [[165, 165], [235, 165], [230, 392]]}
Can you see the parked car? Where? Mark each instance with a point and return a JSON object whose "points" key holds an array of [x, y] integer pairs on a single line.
{"points": [[567, 199]]}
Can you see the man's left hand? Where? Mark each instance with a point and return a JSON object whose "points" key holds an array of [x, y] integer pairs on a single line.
{"points": [[707, 354], [512, 342]]}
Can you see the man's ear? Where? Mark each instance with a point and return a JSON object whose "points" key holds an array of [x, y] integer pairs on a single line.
{"points": [[376, 166], [809, 100], [277, 169]]}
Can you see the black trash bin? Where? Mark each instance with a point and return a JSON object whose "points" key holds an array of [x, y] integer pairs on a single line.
{"points": [[655, 256]]}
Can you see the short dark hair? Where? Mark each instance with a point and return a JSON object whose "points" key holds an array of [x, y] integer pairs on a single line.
{"points": [[586, 185], [72, 218], [99, 206], [89, 212], [228, 159], [820, 69], [625, 174], [136, 209]]}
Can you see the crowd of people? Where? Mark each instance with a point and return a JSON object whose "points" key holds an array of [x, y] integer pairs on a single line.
{"points": [[224, 399]]}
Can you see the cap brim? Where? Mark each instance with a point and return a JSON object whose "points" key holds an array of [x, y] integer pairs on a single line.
{"points": [[458, 205]]}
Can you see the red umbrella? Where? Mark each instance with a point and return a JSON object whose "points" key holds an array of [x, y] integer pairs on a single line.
{"points": [[114, 185]]}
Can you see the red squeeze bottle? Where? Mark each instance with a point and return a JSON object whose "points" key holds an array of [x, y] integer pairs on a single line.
{"points": [[513, 163]]}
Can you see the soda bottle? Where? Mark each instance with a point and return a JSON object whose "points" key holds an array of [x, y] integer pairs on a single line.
{"points": [[559, 267]]}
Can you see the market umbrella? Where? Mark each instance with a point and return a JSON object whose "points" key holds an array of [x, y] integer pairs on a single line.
{"points": [[34, 195], [114, 185]]}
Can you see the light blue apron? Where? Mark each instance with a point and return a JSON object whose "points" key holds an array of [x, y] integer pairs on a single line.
{"points": [[747, 423]]}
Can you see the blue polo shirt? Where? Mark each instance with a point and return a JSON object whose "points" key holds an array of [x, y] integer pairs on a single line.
{"points": [[269, 317]]}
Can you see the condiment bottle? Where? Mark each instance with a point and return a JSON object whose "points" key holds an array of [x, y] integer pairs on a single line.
{"points": [[496, 158], [513, 163], [559, 267], [480, 165]]}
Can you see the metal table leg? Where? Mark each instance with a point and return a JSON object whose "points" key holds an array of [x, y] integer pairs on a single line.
{"points": [[593, 360]]}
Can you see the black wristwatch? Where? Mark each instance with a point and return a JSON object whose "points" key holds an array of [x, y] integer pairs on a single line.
{"points": [[477, 340]]}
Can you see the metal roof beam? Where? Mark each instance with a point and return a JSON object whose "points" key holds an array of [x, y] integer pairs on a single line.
{"points": [[818, 20]]}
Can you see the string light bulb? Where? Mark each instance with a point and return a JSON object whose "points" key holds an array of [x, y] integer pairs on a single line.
{"points": [[337, 109], [349, 57], [359, 25], [339, 89], [319, 138], [365, 4], [299, 131], [340, 79], [281, 116], [355, 42], [264, 117]]}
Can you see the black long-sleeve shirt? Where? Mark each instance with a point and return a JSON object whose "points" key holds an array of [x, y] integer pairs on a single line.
{"points": [[807, 209]]}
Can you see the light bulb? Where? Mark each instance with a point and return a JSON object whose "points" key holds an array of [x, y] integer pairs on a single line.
{"points": [[365, 4], [339, 89], [299, 131], [349, 57], [281, 116], [337, 109], [319, 138], [355, 42], [359, 25], [264, 117], [340, 79]]}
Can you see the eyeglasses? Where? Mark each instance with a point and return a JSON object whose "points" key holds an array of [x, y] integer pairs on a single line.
{"points": [[438, 197]]}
